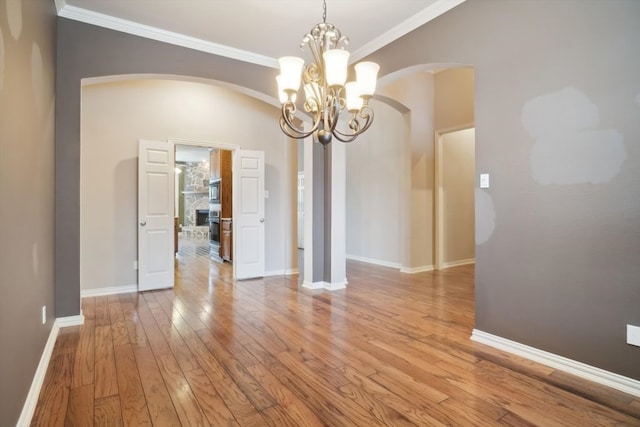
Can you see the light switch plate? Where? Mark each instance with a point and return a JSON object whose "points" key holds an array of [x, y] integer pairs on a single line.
{"points": [[633, 335], [484, 180]]}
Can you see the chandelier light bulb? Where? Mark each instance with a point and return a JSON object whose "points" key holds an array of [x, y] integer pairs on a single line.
{"points": [[354, 100], [335, 62], [290, 73], [367, 74]]}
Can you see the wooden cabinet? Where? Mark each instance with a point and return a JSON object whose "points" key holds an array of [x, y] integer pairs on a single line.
{"points": [[226, 184], [214, 164], [226, 240], [176, 228]]}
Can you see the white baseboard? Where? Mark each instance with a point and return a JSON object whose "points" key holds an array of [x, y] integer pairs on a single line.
{"points": [[110, 290], [582, 370], [313, 285], [459, 263], [286, 272], [64, 322], [374, 261], [325, 285], [38, 378], [414, 270]]}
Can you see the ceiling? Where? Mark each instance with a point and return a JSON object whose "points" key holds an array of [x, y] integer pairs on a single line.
{"points": [[257, 31], [190, 153]]}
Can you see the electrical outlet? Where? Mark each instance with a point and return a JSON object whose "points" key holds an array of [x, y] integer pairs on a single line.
{"points": [[44, 314], [135, 265], [633, 335]]}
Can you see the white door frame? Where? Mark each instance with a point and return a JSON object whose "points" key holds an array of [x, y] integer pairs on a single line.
{"points": [[234, 151], [438, 220]]}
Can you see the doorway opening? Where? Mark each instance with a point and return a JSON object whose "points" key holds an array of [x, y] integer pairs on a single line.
{"points": [[204, 195], [455, 201]]}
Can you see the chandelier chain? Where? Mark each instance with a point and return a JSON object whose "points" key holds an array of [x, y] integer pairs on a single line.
{"points": [[324, 11]]}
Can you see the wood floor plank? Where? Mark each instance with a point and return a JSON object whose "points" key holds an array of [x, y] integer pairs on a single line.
{"points": [[249, 386], [392, 349], [295, 407], [224, 385], [102, 311], [185, 402], [210, 401], [88, 305], [137, 336], [119, 332], [107, 412], [80, 409], [159, 404], [51, 409], [277, 416], [132, 400], [84, 362], [106, 383], [176, 344]]}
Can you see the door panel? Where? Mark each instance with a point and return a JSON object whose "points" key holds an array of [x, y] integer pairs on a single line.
{"points": [[249, 220], [155, 215]]}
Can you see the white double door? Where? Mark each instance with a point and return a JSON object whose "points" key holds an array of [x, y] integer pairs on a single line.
{"points": [[156, 191]]}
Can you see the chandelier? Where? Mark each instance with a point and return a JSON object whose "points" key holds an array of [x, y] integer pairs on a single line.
{"points": [[326, 92]]}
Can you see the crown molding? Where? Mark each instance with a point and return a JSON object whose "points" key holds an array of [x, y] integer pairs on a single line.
{"points": [[149, 32], [153, 33], [417, 20]]}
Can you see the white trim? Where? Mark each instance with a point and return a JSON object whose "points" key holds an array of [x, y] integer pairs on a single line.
{"points": [[588, 372], [38, 379], [153, 33], [335, 286], [417, 20], [414, 270], [109, 290], [60, 4], [458, 263], [325, 285], [64, 322], [313, 285], [106, 21], [283, 272], [374, 261]]}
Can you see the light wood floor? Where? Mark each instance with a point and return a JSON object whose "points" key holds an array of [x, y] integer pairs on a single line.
{"points": [[392, 349]]}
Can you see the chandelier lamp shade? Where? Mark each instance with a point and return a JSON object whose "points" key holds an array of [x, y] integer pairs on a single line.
{"points": [[325, 89]]}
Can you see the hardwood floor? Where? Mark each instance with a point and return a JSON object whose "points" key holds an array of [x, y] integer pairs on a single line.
{"points": [[392, 349]]}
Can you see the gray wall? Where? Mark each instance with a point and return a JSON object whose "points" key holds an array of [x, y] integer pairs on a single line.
{"points": [[557, 104], [89, 51], [27, 70]]}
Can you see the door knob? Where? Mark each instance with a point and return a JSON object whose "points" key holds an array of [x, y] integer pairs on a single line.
{"points": [[261, 219], [143, 223]]}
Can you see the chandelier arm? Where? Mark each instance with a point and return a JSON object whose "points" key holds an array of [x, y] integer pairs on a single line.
{"points": [[287, 126], [333, 107], [365, 113], [316, 51]]}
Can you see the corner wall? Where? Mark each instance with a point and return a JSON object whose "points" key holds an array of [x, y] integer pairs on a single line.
{"points": [[27, 96], [557, 107]]}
